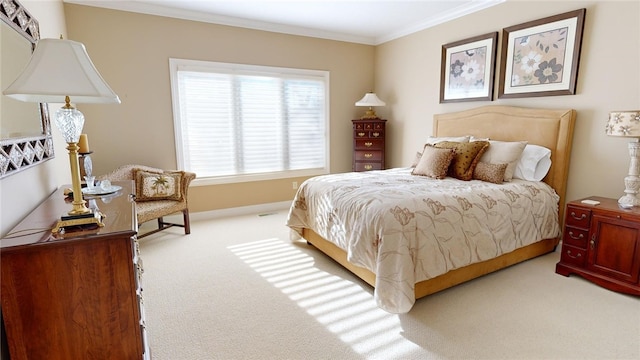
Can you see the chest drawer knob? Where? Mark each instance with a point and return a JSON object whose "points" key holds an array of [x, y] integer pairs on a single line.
{"points": [[361, 134], [570, 254], [368, 144], [368, 155], [579, 237], [581, 217]]}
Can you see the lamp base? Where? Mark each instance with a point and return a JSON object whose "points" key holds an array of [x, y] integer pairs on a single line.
{"points": [[369, 114], [93, 217], [632, 181]]}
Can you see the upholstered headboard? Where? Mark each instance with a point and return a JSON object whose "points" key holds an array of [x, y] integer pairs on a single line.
{"points": [[550, 128]]}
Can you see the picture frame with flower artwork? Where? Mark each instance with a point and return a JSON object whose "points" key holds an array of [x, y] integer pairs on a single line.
{"points": [[467, 69], [541, 57]]}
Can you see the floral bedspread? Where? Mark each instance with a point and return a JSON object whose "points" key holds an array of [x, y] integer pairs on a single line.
{"points": [[407, 228]]}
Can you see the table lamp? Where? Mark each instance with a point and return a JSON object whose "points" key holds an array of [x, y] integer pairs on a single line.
{"points": [[60, 70], [627, 124], [370, 99]]}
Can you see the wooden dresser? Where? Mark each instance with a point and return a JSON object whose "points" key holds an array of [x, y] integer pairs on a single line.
{"points": [[368, 144], [602, 244], [76, 295]]}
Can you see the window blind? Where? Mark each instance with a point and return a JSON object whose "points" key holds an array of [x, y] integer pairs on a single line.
{"points": [[235, 120]]}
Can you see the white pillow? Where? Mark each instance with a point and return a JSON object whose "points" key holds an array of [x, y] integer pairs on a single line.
{"points": [[432, 140], [504, 152], [534, 164]]}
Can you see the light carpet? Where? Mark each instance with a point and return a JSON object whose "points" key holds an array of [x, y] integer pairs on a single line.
{"points": [[239, 288]]}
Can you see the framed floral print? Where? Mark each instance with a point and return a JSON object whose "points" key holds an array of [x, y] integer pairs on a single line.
{"points": [[467, 69], [541, 57]]}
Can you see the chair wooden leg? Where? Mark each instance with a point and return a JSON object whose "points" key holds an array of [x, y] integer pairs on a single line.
{"points": [[187, 225], [165, 225]]}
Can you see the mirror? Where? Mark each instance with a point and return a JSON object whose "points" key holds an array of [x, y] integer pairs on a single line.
{"points": [[25, 129]]}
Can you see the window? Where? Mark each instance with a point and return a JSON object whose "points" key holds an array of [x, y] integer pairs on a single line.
{"points": [[244, 123]]}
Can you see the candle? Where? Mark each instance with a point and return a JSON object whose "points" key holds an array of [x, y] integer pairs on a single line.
{"points": [[83, 143]]}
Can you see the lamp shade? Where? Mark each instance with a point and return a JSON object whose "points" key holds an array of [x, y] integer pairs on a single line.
{"points": [[60, 68], [370, 99], [624, 123]]}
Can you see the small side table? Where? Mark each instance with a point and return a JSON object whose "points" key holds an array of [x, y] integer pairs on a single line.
{"points": [[601, 243]]}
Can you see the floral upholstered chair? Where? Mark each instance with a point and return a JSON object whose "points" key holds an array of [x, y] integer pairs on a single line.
{"points": [[158, 193]]}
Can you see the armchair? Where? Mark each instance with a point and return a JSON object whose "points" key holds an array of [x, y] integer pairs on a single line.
{"points": [[149, 209]]}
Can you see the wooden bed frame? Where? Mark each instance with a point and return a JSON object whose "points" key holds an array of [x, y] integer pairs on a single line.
{"points": [[550, 128]]}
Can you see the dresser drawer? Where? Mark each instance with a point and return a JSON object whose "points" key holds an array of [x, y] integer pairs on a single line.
{"points": [[573, 255], [578, 217], [368, 125], [576, 236], [366, 166], [364, 134], [372, 144], [368, 155]]}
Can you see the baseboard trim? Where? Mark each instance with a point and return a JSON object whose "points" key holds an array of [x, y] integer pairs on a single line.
{"points": [[260, 209]]}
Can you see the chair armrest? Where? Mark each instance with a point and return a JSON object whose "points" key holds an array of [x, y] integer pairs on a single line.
{"points": [[186, 180]]}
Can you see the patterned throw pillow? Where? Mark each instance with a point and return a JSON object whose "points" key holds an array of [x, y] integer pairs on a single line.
{"points": [[500, 152], [434, 162], [467, 155], [158, 186], [493, 173]]}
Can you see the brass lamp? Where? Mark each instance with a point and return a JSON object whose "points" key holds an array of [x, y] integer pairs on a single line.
{"points": [[370, 100], [60, 70], [627, 124]]}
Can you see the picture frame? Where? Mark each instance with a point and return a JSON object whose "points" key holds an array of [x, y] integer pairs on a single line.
{"points": [[541, 57], [467, 69]]}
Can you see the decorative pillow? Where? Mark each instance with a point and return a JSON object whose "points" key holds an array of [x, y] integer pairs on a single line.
{"points": [[431, 140], [466, 157], [493, 173], [434, 162], [158, 186], [416, 159], [534, 164], [501, 152]]}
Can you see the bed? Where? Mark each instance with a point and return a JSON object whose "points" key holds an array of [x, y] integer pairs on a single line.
{"points": [[410, 236]]}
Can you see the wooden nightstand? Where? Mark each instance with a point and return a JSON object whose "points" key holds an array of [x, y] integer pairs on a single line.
{"points": [[601, 243], [368, 144]]}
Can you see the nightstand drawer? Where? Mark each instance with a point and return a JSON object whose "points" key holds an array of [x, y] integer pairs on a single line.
{"points": [[573, 255], [578, 217], [373, 144], [576, 237], [368, 155]]}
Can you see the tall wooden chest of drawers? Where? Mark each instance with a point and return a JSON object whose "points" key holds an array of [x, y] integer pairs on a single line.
{"points": [[76, 295], [368, 144], [601, 243]]}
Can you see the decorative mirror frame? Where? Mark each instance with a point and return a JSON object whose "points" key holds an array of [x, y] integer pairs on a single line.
{"points": [[17, 154]]}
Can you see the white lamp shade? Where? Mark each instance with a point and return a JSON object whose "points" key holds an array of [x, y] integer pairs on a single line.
{"points": [[624, 123], [370, 99], [60, 68]]}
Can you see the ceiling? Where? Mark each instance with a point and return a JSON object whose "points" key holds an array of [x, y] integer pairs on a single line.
{"points": [[369, 22]]}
